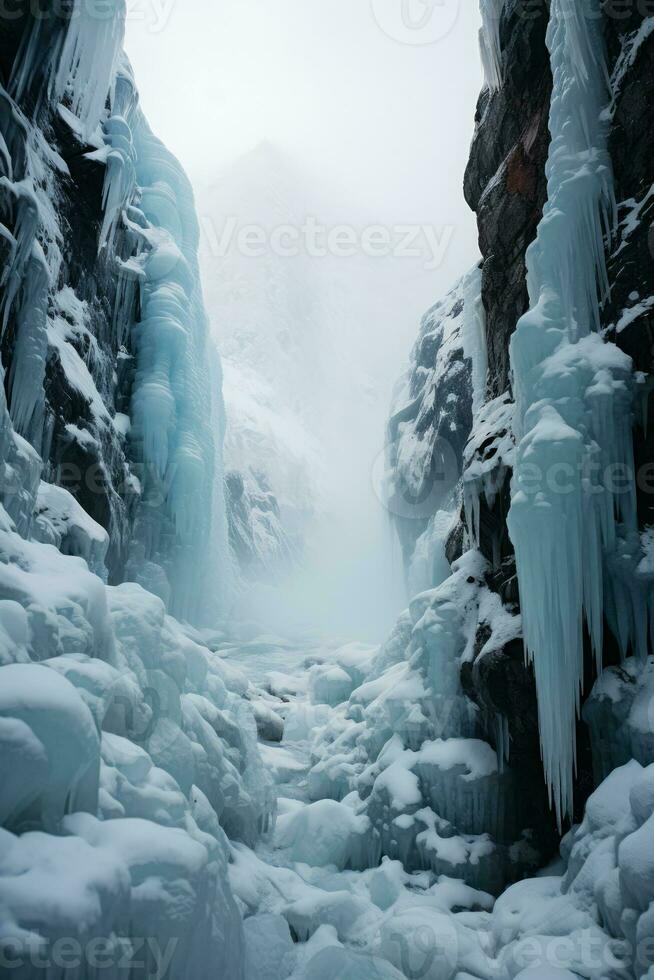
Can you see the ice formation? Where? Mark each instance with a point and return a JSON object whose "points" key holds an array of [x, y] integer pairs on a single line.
{"points": [[489, 42], [366, 834], [405, 748], [573, 402]]}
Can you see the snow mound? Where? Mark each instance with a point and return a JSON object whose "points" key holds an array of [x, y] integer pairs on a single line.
{"points": [[324, 833]]}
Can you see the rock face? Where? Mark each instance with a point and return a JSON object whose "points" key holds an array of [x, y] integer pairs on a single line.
{"points": [[430, 424], [505, 179], [628, 313], [257, 536], [506, 185]]}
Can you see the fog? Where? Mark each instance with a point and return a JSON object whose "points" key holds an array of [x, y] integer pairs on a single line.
{"points": [[346, 127]]}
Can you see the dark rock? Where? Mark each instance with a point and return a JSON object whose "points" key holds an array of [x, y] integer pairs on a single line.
{"points": [[505, 180]]}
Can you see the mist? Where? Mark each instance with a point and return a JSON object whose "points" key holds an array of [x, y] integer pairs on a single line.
{"points": [[329, 121]]}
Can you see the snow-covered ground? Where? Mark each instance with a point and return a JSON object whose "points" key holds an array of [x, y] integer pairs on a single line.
{"points": [[319, 905]]}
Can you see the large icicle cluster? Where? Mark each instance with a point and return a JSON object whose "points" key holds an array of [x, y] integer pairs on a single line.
{"points": [[573, 480]]}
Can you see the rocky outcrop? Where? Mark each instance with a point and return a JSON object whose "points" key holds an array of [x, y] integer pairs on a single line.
{"points": [[504, 182], [259, 540], [430, 423]]}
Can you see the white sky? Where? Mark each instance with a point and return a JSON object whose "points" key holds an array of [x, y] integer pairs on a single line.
{"points": [[387, 122]]}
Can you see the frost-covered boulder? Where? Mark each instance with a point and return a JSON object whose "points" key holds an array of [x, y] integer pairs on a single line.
{"points": [[421, 941], [270, 725], [348, 914], [620, 715], [52, 749], [336, 963], [594, 920], [325, 833], [329, 684], [60, 520], [112, 880], [269, 948]]}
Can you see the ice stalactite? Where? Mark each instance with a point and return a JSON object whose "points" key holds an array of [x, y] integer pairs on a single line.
{"points": [[72, 55], [119, 176], [489, 42], [573, 399], [89, 56]]}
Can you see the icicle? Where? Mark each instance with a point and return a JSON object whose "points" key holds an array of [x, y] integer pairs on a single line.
{"points": [[28, 362], [89, 56], [502, 741], [119, 180], [26, 225], [573, 398], [489, 42]]}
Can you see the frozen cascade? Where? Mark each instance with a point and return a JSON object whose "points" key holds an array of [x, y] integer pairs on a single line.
{"points": [[573, 398], [148, 241], [128, 749], [29, 227], [173, 380]]}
